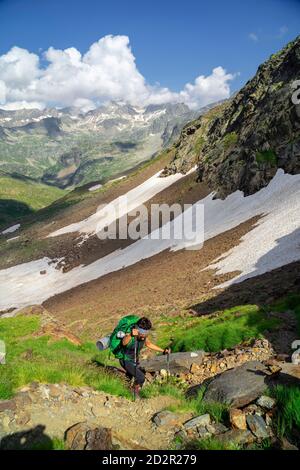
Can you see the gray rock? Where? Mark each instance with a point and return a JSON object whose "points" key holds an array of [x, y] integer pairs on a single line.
{"points": [[203, 432], [165, 418], [236, 436], [199, 421], [179, 362], [258, 426], [266, 402], [238, 387], [216, 428]]}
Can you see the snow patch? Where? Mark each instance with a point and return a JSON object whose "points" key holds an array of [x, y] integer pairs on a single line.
{"points": [[94, 188], [134, 198], [13, 238], [11, 229]]}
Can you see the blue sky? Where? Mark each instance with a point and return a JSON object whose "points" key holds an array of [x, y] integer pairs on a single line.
{"points": [[173, 42]]}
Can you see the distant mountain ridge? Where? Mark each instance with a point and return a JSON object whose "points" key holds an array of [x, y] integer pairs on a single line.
{"points": [[66, 147]]}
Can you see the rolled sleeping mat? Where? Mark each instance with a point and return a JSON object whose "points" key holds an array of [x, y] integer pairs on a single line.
{"points": [[103, 343]]}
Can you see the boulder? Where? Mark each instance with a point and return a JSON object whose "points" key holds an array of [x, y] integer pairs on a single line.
{"points": [[266, 402], [82, 436], [199, 421], [216, 428], [203, 432], [165, 418], [238, 387], [179, 362], [258, 426], [236, 436], [99, 439], [237, 419]]}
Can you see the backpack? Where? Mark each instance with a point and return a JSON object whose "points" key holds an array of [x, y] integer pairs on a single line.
{"points": [[124, 326]]}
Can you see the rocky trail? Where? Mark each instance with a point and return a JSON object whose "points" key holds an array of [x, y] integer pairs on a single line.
{"points": [[46, 411], [84, 419]]}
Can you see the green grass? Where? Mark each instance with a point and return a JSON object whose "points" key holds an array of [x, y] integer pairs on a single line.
{"points": [[199, 144], [197, 406], [291, 302], [229, 140], [211, 443], [49, 444], [31, 359], [229, 328], [287, 418], [169, 388], [265, 444], [266, 156], [20, 196]]}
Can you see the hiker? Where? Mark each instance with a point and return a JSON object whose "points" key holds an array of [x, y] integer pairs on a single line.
{"points": [[126, 342], [139, 332]]}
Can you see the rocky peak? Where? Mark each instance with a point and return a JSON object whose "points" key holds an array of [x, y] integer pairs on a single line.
{"points": [[240, 144]]}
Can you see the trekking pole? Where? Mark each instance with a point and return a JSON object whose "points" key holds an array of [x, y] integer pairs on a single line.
{"points": [[135, 367], [168, 366]]}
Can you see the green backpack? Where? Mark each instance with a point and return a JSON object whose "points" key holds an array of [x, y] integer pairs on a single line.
{"points": [[124, 325]]}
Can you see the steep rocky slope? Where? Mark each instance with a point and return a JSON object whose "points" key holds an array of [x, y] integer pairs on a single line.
{"points": [[241, 143]]}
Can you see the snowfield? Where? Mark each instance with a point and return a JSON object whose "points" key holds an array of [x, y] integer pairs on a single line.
{"points": [[11, 229], [273, 242], [130, 201]]}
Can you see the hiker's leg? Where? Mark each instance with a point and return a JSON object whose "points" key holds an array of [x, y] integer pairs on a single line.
{"points": [[138, 374], [128, 375]]}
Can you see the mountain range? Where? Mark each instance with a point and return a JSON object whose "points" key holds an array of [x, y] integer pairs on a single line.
{"points": [[65, 147]]}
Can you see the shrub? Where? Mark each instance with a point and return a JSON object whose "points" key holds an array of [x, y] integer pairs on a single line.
{"points": [[267, 156], [229, 140]]}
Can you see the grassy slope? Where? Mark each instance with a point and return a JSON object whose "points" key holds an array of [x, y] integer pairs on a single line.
{"points": [[22, 196], [30, 358], [215, 333]]}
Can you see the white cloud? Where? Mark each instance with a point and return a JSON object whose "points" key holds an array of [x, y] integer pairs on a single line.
{"points": [[2, 92], [106, 72], [11, 106], [207, 90], [253, 37]]}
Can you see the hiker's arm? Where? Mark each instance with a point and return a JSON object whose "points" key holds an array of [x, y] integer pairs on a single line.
{"points": [[153, 346], [127, 338]]}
